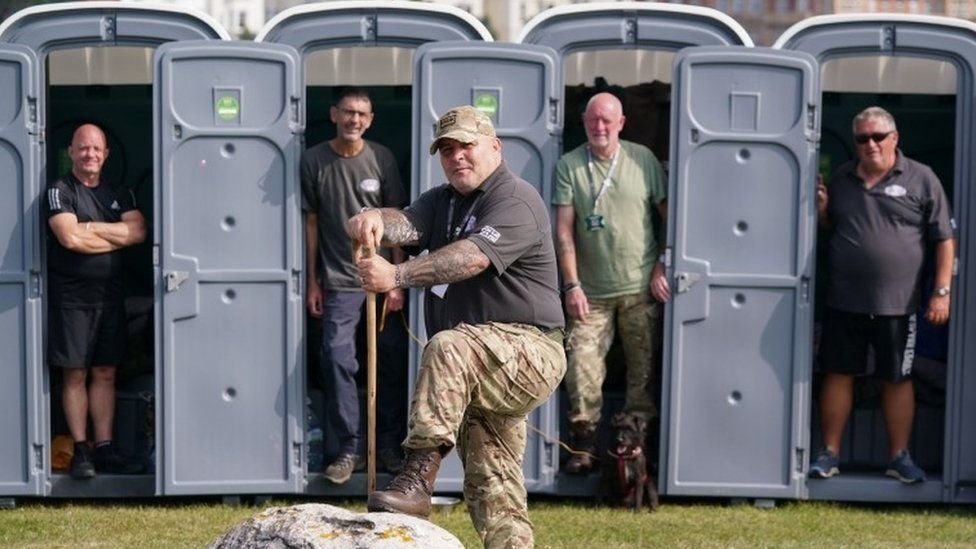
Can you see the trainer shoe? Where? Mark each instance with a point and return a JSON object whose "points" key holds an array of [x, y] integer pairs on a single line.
{"points": [[340, 470], [904, 469], [81, 462], [108, 459], [824, 464]]}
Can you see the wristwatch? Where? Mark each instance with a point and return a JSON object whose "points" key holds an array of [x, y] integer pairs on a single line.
{"points": [[942, 292]]}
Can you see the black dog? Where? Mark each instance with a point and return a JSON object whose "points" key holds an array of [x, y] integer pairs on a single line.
{"points": [[625, 481]]}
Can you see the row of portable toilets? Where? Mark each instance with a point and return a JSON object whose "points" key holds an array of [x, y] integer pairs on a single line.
{"points": [[216, 399]]}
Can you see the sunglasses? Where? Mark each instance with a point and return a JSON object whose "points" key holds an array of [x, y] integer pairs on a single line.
{"points": [[878, 137]]}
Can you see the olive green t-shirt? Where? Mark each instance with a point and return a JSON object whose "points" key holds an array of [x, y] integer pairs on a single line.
{"points": [[617, 259]]}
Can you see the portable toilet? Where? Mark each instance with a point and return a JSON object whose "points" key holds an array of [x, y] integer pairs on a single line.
{"points": [[372, 46], [162, 80], [753, 128], [921, 69], [626, 48]]}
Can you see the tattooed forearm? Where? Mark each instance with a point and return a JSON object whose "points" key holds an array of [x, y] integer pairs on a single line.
{"points": [[458, 261], [397, 229]]}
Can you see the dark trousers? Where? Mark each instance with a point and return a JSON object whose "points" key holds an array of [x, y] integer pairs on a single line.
{"points": [[338, 367]]}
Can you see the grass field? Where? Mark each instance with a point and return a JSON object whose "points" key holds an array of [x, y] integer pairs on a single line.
{"points": [[679, 523]]}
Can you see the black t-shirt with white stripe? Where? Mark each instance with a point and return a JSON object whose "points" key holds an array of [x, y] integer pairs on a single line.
{"points": [[77, 280]]}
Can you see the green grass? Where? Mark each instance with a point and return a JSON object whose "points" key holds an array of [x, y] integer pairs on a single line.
{"points": [[679, 523]]}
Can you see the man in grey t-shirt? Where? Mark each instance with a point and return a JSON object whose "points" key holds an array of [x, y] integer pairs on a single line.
{"points": [[339, 178], [883, 211]]}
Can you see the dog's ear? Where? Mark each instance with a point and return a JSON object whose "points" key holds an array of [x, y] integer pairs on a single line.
{"points": [[640, 424]]}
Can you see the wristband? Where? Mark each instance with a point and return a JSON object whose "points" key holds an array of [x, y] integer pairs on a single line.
{"points": [[568, 287], [397, 277]]}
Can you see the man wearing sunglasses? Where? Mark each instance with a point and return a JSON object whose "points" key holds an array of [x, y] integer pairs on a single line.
{"points": [[884, 211]]}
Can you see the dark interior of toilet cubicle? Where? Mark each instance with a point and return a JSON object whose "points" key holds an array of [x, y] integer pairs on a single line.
{"points": [[926, 123], [122, 107], [647, 107]]}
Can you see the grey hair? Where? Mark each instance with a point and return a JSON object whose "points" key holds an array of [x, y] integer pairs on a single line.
{"points": [[874, 113]]}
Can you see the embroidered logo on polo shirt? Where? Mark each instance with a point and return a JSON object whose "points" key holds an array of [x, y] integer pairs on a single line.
{"points": [[115, 205], [490, 234], [895, 190], [369, 185]]}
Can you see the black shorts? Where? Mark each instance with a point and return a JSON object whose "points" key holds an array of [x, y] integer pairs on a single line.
{"points": [[847, 337], [82, 338]]}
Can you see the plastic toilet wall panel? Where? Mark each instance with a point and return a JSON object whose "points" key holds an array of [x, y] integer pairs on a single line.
{"points": [[744, 129], [620, 27], [79, 27], [228, 143], [22, 459]]}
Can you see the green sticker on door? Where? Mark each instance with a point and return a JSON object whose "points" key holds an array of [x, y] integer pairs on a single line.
{"points": [[487, 102], [228, 108]]}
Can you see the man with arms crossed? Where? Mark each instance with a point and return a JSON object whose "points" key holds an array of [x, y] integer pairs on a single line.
{"points": [[90, 221]]}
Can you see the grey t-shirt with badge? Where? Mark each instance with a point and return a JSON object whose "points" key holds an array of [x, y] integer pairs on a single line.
{"points": [[337, 188], [877, 247], [509, 222]]}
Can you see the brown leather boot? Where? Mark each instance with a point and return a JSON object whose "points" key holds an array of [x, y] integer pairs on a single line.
{"points": [[409, 492], [582, 439]]}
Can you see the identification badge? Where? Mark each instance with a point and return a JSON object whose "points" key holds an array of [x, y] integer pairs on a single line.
{"points": [[595, 222]]}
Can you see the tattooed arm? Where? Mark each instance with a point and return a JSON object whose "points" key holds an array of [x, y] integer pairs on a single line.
{"points": [[452, 263], [384, 226]]}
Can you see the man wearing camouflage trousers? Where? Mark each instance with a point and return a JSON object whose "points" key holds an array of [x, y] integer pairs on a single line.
{"points": [[494, 319], [605, 192]]}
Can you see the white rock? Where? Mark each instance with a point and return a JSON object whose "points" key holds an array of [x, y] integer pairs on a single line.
{"points": [[314, 525]]}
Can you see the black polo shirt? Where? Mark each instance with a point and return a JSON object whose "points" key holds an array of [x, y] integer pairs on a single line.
{"points": [[77, 280], [508, 221], [877, 247]]}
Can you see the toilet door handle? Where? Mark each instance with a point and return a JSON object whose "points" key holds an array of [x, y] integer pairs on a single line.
{"points": [[686, 281], [175, 279]]}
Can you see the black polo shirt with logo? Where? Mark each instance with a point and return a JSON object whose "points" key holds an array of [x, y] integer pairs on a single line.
{"points": [[509, 222], [77, 280], [878, 243]]}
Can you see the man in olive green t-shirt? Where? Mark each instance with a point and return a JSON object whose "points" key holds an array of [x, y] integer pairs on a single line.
{"points": [[608, 259]]}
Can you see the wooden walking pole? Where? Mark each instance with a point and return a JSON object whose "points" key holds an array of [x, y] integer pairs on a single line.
{"points": [[357, 250]]}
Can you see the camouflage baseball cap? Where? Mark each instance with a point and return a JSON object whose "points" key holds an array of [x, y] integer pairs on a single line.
{"points": [[465, 124]]}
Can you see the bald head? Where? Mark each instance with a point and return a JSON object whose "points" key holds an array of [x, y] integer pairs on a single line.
{"points": [[88, 151], [603, 120]]}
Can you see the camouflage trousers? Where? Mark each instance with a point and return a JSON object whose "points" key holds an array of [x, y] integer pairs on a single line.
{"points": [[476, 386], [637, 317]]}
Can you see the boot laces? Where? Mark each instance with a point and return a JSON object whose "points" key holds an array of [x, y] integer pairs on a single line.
{"points": [[411, 477]]}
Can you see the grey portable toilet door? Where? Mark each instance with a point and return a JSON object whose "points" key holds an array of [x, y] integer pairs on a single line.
{"points": [[227, 138], [517, 85], [23, 426], [744, 134]]}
